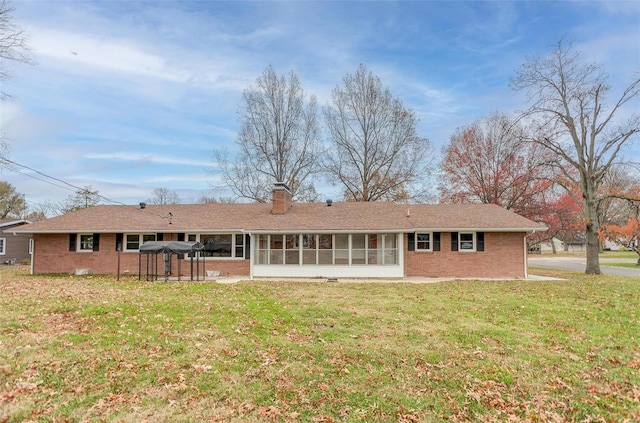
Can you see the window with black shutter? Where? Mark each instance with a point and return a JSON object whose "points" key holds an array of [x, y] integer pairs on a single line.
{"points": [[411, 238], [96, 242], [436, 241], [454, 241]]}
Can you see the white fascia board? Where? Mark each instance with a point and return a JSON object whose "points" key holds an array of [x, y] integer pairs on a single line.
{"points": [[323, 231], [540, 228], [14, 222]]}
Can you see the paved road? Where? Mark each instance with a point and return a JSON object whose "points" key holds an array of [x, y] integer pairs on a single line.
{"points": [[578, 264]]}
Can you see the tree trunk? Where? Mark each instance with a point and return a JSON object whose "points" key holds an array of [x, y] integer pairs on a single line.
{"points": [[593, 249]]}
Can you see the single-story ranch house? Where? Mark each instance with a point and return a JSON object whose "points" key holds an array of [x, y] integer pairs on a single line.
{"points": [[285, 239]]}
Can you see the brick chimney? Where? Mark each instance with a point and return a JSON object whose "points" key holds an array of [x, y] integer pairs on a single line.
{"points": [[280, 198]]}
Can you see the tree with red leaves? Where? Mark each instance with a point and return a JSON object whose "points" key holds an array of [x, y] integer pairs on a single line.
{"points": [[488, 162]]}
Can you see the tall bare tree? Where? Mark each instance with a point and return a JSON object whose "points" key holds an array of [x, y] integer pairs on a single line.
{"points": [[13, 40], [13, 47], [164, 196], [567, 98], [375, 151], [278, 139], [490, 161]]}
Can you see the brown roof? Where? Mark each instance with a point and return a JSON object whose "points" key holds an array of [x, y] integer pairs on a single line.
{"points": [[302, 217]]}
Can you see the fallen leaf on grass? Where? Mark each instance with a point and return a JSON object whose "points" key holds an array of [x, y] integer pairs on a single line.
{"points": [[271, 412]]}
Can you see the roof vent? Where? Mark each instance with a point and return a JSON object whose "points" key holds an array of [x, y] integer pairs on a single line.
{"points": [[329, 203]]}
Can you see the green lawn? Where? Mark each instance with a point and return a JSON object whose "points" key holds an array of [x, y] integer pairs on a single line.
{"points": [[94, 349]]}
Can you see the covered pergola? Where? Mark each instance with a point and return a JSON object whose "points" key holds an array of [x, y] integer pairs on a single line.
{"points": [[152, 249]]}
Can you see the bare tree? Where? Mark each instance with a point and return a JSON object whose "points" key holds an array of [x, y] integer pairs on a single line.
{"points": [[13, 40], [567, 98], [489, 161], [375, 152], [278, 139], [211, 199], [164, 196], [13, 47]]}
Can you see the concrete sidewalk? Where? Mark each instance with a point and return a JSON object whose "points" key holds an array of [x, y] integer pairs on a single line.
{"points": [[411, 280]]}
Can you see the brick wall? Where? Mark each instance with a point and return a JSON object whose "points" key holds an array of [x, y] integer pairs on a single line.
{"points": [[503, 257], [52, 255]]}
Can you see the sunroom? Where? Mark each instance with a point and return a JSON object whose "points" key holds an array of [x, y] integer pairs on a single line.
{"points": [[323, 254]]}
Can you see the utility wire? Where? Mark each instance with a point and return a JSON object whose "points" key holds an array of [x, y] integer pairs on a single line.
{"points": [[75, 187]]}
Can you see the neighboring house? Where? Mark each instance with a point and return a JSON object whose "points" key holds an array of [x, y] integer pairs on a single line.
{"points": [[14, 247], [575, 245], [285, 239]]}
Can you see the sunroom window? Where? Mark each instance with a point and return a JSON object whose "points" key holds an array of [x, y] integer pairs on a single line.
{"points": [[326, 249]]}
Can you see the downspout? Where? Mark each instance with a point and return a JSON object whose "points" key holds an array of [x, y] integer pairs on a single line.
{"points": [[526, 253], [31, 254], [251, 252]]}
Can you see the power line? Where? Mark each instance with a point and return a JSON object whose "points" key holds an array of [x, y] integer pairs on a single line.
{"points": [[75, 187], [42, 180]]}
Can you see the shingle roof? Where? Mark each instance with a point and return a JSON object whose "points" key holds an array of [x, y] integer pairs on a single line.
{"points": [[301, 217]]}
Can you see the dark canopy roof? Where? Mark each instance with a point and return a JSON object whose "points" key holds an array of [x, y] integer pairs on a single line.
{"points": [[177, 247]]}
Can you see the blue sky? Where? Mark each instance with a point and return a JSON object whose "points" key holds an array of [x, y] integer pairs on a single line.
{"points": [[128, 96]]}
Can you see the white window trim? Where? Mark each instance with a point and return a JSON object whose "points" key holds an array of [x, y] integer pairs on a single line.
{"points": [[3, 250], [430, 249], [382, 250], [140, 235], [79, 248], [475, 243], [233, 245]]}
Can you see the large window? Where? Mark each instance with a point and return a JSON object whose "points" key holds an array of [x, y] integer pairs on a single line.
{"points": [[220, 245], [2, 246], [134, 241], [327, 249]]}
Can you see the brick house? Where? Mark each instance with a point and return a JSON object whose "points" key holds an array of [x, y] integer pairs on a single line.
{"points": [[286, 239], [14, 247]]}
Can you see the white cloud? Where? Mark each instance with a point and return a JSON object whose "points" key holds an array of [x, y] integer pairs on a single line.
{"points": [[76, 49], [148, 158]]}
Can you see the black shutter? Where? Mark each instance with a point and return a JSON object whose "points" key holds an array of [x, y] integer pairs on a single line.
{"points": [[159, 237], [436, 241], [119, 238], [480, 240], [454, 241], [96, 242], [72, 242], [411, 239], [247, 246]]}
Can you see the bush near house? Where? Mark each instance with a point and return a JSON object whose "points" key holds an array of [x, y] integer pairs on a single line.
{"points": [[95, 349]]}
